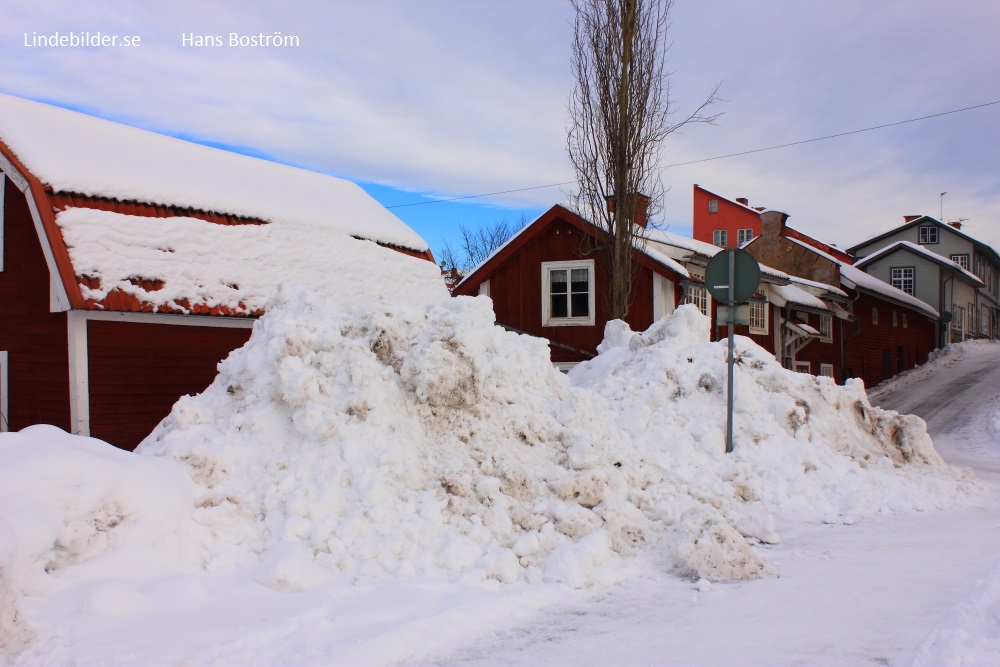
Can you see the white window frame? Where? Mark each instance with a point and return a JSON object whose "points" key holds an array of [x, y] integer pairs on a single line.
{"points": [[547, 319], [713, 205], [743, 235], [663, 296], [902, 277], [565, 366], [826, 370], [803, 367], [961, 259], [957, 318], [928, 234], [697, 294], [759, 312], [826, 328], [4, 392], [720, 237]]}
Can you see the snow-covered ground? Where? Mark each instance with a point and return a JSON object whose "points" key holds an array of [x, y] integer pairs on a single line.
{"points": [[413, 485]]}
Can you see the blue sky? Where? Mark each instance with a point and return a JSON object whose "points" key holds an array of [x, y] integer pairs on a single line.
{"points": [[419, 101]]}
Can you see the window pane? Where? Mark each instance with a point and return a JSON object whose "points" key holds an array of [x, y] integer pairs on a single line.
{"points": [[559, 305], [581, 305], [557, 281], [581, 281]]}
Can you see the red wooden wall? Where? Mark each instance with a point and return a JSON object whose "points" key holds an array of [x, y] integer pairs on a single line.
{"points": [[35, 339], [868, 343], [730, 216], [139, 370]]}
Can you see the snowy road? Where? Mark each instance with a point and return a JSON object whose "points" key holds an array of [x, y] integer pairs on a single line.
{"points": [[917, 589]]}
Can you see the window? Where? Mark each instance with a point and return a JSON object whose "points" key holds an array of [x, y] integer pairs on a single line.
{"points": [[803, 367], [826, 370], [484, 288], [904, 320], [713, 205], [698, 295], [874, 315], [902, 279], [961, 260], [928, 234], [568, 293], [826, 328], [720, 237], [894, 318], [758, 314], [970, 325], [957, 318], [744, 235]]}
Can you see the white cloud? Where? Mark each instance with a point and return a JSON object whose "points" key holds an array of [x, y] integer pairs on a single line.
{"points": [[458, 97]]}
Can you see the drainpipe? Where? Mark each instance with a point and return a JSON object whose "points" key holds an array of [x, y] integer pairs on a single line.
{"points": [[845, 341], [945, 332]]}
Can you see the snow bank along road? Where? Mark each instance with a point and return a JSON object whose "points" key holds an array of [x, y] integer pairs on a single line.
{"points": [[919, 589]]}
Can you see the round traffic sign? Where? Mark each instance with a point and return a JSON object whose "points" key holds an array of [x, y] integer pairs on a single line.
{"points": [[746, 275]]}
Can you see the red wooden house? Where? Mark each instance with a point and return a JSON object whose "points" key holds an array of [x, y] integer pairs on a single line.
{"points": [[878, 331], [549, 281], [131, 263]]}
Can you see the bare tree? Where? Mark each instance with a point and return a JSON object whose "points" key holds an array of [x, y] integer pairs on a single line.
{"points": [[475, 245], [619, 116]]}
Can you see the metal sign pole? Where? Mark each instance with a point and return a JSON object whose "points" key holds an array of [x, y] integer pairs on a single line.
{"points": [[731, 323]]}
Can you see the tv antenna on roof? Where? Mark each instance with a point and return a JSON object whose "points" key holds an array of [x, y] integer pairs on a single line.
{"points": [[941, 216]]}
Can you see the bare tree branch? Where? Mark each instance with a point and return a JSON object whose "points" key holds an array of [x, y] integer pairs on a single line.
{"points": [[619, 118]]}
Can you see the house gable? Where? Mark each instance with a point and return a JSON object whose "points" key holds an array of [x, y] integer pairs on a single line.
{"points": [[713, 213]]}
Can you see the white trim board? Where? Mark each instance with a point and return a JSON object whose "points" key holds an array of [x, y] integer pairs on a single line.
{"points": [[58, 298], [173, 319], [79, 374]]}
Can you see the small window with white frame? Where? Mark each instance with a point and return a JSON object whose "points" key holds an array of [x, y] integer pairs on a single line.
{"points": [[713, 205], [720, 237], [957, 318], [759, 313], [928, 234], [962, 260], [826, 370], [568, 293], [803, 367], [698, 295], [744, 235], [826, 328]]}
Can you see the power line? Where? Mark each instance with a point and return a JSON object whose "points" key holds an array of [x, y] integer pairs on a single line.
{"points": [[717, 157]]}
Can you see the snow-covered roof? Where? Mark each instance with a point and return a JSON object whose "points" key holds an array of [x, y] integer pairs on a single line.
{"points": [[73, 152], [817, 286], [865, 281], [697, 247], [923, 219], [188, 265], [790, 294], [923, 252]]}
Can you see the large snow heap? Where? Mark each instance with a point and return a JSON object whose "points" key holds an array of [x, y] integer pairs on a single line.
{"points": [[398, 441], [392, 441]]}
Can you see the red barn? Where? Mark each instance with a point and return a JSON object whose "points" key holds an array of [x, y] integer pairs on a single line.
{"points": [[131, 263]]}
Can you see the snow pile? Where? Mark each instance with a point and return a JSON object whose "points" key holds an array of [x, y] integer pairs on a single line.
{"points": [[68, 501], [401, 441], [805, 448]]}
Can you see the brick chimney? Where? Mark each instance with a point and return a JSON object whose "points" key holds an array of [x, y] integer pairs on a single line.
{"points": [[640, 211], [957, 224], [911, 218], [744, 201]]}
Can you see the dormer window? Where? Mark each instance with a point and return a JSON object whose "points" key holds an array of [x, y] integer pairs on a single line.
{"points": [[928, 234]]}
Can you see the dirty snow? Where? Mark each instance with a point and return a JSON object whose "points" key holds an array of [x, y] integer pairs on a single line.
{"points": [[382, 461]]}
